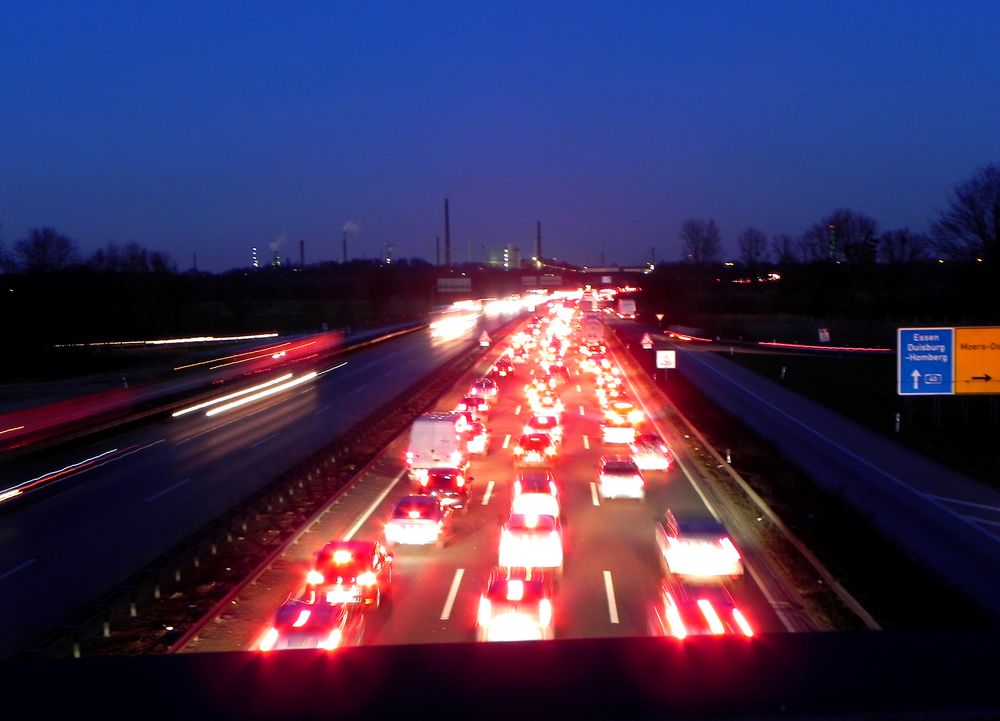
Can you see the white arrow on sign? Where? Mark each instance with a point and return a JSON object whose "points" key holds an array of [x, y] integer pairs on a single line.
{"points": [[916, 379]]}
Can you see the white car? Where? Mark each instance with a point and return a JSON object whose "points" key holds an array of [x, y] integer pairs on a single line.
{"points": [[531, 542], [619, 477], [698, 549]]}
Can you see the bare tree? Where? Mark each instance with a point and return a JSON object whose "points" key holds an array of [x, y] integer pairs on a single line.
{"points": [[814, 244], [970, 227], [132, 258], [842, 236], [753, 247], [899, 247], [702, 243], [6, 261], [783, 249], [44, 250]]}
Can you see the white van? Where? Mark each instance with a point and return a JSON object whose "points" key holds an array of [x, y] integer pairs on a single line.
{"points": [[437, 440]]}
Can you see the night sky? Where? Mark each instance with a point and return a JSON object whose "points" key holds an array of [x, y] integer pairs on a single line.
{"points": [[211, 127]]}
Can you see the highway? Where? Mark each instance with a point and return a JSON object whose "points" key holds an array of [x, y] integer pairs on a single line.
{"points": [[612, 571], [147, 488]]}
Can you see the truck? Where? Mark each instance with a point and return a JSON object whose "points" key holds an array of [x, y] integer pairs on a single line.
{"points": [[626, 308], [592, 329], [437, 440]]}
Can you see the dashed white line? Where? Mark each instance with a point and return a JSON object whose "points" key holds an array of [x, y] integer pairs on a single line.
{"points": [[265, 440], [609, 587], [960, 502], [446, 611], [489, 492], [17, 568], [582, 412], [371, 509], [578, 388], [586, 442], [322, 410], [517, 411], [593, 494], [506, 440], [167, 490]]}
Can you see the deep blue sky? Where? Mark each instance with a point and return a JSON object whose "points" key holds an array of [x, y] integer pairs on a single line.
{"points": [[211, 127]]}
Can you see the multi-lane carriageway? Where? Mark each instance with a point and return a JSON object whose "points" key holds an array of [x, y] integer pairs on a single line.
{"points": [[611, 573]]}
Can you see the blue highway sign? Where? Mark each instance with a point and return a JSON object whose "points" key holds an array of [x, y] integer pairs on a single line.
{"points": [[925, 362]]}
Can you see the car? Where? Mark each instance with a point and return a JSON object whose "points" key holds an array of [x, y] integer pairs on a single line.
{"points": [[478, 406], [504, 366], [535, 480], [535, 503], [418, 521], [484, 387], [619, 423], [535, 449], [547, 403], [450, 485], [479, 439], [300, 624], [516, 605], [543, 423], [651, 453], [620, 477], [698, 548], [353, 572], [685, 609], [530, 541]]}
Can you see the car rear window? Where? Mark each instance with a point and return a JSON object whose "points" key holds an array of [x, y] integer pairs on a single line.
{"points": [[620, 467]]}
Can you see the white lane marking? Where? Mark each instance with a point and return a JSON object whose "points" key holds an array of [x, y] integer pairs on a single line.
{"points": [[960, 502], [265, 440], [775, 606], [593, 494], [17, 568], [166, 490], [609, 587], [489, 492], [322, 410], [446, 611], [582, 412], [506, 440], [517, 411], [586, 442], [578, 388], [371, 509], [339, 365], [977, 519]]}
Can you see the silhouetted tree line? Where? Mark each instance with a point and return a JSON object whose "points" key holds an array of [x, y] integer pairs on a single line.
{"points": [[843, 266], [968, 229], [52, 296]]}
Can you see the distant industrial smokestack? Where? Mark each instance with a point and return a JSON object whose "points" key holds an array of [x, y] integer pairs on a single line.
{"points": [[302, 255], [447, 236], [437, 250], [345, 245], [538, 240]]}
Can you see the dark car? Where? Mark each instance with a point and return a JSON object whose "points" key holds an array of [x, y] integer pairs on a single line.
{"points": [[354, 572], [418, 521], [450, 485], [535, 449], [299, 624], [503, 367]]}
